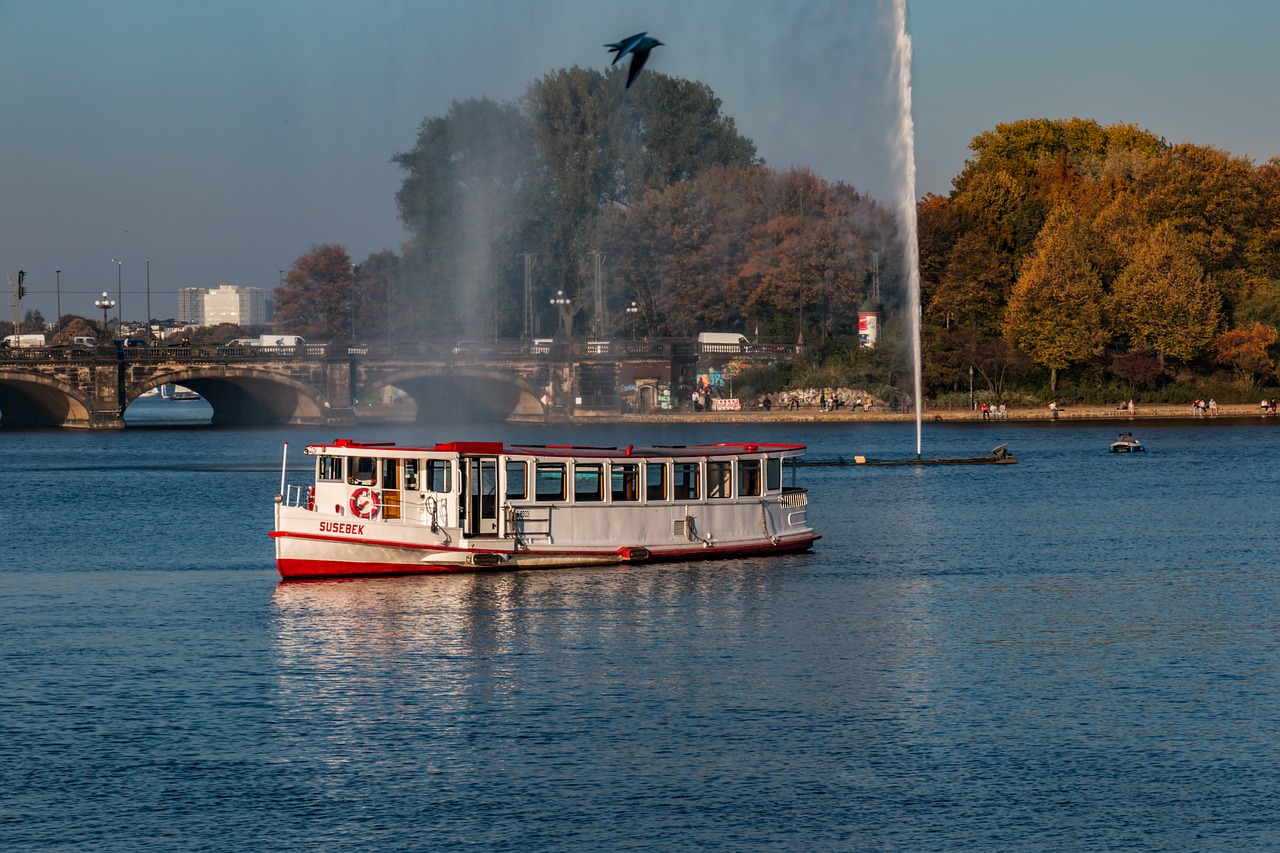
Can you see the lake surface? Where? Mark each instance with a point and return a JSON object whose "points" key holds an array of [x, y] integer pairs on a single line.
{"points": [[1078, 652]]}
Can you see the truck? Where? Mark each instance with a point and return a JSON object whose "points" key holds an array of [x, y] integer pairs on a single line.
{"points": [[23, 341], [722, 341], [279, 341], [267, 341]]}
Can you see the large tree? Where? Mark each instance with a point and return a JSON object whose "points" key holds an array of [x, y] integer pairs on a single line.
{"points": [[319, 296], [1055, 311], [465, 198], [489, 182], [1163, 302]]}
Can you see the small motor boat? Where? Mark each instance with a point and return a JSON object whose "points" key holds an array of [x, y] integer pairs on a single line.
{"points": [[1127, 445]]}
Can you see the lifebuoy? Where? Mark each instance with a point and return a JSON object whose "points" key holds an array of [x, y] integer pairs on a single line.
{"points": [[364, 502]]}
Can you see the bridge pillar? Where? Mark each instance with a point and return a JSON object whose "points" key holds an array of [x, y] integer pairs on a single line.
{"points": [[339, 389], [107, 379]]}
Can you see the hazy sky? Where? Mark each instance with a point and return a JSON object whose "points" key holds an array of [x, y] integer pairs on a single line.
{"points": [[221, 140]]}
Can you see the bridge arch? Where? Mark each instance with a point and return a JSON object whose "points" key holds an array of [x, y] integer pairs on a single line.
{"points": [[242, 396], [462, 392], [40, 400]]}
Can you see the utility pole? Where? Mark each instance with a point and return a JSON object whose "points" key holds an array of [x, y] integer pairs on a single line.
{"points": [[528, 292], [16, 302], [875, 275], [597, 328]]}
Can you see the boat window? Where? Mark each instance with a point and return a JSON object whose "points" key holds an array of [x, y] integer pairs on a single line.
{"points": [[748, 477], [625, 481], [720, 479], [655, 481], [329, 468], [550, 481], [361, 471], [588, 482], [517, 485], [390, 488], [437, 475], [685, 481], [411, 474], [773, 474]]}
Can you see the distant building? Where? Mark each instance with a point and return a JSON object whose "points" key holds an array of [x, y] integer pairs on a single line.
{"points": [[191, 306], [229, 303]]}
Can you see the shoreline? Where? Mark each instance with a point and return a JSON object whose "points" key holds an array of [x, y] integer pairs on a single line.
{"points": [[1178, 411], [1150, 412]]}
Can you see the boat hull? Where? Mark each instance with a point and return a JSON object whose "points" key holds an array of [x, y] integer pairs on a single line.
{"points": [[300, 557]]}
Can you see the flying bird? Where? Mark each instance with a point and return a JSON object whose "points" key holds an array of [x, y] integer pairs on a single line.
{"points": [[638, 46]]}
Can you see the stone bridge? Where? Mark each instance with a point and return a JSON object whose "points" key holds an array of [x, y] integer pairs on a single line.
{"points": [[90, 387]]}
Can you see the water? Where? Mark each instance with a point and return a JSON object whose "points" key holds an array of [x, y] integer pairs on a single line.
{"points": [[1078, 652]]}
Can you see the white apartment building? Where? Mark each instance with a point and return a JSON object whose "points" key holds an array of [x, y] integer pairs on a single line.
{"points": [[229, 303]]}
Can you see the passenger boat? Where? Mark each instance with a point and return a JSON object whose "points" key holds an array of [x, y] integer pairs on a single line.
{"points": [[379, 509]]}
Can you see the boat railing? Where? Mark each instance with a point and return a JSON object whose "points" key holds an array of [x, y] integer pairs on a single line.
{"points": [[530, 522], [793, 497], [297, 496]]}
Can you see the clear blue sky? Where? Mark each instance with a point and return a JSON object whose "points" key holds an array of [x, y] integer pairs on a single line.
{"points": [[222, 140]]}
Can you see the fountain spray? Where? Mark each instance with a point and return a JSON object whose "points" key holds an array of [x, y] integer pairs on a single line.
{"points": [[905, 159]]}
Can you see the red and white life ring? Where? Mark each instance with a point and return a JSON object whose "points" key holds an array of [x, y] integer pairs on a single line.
{"points": [[364, 502]]}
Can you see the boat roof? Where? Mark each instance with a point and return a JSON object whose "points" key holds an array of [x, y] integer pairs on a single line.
{"points": [[350, 447]]}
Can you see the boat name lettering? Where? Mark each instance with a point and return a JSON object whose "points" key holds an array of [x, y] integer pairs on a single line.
{"points": [[339, 527]]}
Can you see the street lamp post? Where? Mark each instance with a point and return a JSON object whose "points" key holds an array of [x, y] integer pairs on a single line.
{"points": [[355, 271], [562, 304], [149, 336], [104, 303], [119, 295], [59, 285], [633, 310]]}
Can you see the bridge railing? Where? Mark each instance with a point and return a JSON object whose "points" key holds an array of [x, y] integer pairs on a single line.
{"points": [[494, 351]]}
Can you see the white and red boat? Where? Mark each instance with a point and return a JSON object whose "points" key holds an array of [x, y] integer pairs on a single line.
{"points": [[379, 509]]}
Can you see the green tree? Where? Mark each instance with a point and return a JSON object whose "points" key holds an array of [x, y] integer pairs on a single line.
{"points": [[376, 318], [1163, 302], [465, 199], [1055, 311]]}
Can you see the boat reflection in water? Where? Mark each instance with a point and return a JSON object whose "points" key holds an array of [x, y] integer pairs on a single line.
{"points": [[373, 641]]}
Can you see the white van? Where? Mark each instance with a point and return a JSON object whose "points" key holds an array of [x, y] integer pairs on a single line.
{"points": [[722, 341], [24, 340]]}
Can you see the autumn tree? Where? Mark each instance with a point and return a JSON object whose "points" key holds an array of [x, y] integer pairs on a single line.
{"points": [[974, 286], [739, 248], [319, 296], [1163, 302], [1055, 311], [1207, 196], [1245, 352], [72, 326]]}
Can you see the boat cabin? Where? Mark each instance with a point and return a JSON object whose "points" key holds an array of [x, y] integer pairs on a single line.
{"points": [[487, 489]]}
